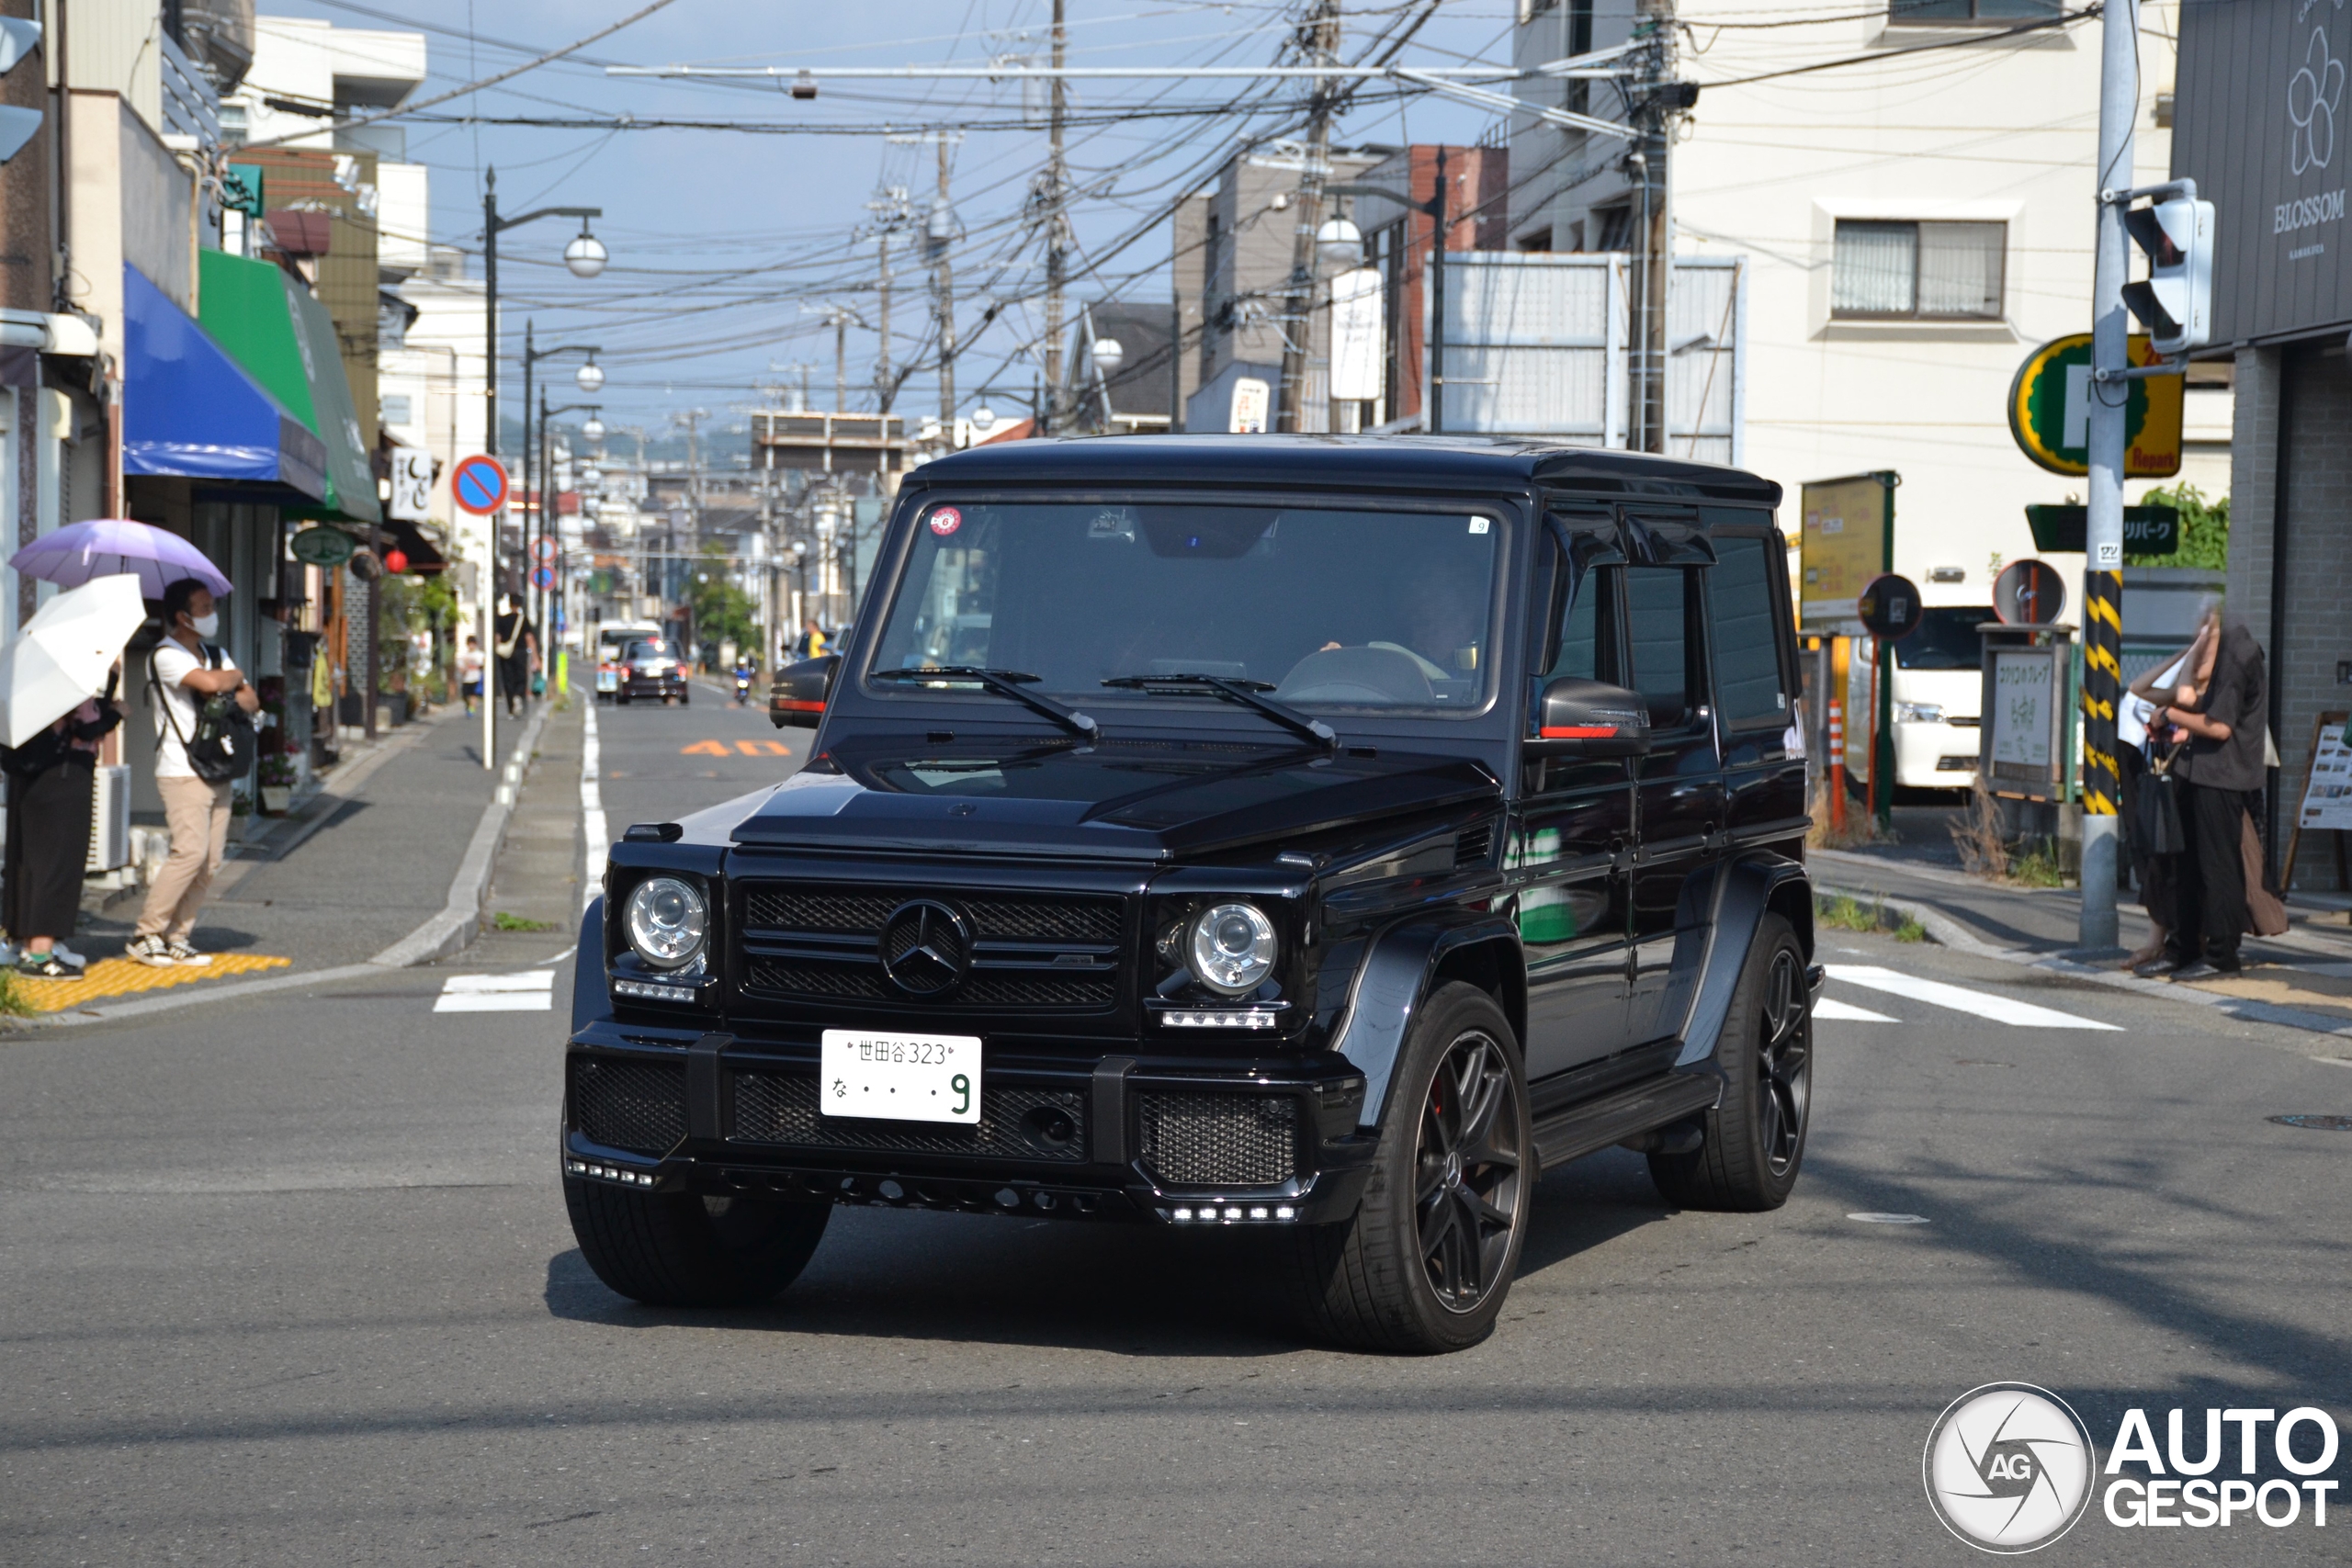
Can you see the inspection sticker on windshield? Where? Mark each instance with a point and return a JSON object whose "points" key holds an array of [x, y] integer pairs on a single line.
{"points": [[1480, 524], [901, 1077], [945, 521]]}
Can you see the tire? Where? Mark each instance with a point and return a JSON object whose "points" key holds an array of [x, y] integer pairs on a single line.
{"points": [[676, 1249], [685, 698], [1396, 1277], [622, 699], [1753, 1144]]}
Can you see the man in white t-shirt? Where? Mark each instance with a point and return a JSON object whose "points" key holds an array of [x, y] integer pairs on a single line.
{"points": [[186, 672]]}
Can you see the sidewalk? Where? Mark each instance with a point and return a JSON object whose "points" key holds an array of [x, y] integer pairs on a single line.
{"points": [[368, 863], [2302, 979]]}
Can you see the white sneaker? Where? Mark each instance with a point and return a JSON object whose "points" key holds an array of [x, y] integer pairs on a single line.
{"points": [[150, 951], [186, 955]]}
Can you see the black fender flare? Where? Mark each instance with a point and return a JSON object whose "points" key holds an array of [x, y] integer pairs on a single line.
{"points": [[1386, 994], [1747, 888], [591, 1000]]}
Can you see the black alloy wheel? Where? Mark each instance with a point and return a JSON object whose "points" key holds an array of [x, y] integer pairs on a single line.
{"points": [[1468, 1168], [1752, 1143], [1784, 1062], [1425, 1263]]}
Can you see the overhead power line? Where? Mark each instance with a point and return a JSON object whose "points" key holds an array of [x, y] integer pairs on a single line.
{"points": [[506, 76]]}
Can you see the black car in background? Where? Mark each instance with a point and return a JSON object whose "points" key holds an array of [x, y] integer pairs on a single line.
{"points": [[1316, 835], [652, 670]]}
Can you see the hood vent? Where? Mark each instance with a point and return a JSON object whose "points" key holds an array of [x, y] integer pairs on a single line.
{"points": [[1472, 847]]}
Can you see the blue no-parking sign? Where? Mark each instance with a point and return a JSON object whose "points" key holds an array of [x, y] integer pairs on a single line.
{"points": [[478, 485]]}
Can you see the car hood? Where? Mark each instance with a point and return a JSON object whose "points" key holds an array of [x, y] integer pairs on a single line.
{"points": [[1129, 800]]}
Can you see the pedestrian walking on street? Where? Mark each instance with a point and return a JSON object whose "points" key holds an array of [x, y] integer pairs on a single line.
{"points": [[2153, 835], [469, 672], [2217, 767], [517, 649], [186, 669], [51, 785]]}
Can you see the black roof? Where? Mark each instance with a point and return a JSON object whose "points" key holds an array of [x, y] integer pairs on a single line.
{"points": [[1343, 462]]}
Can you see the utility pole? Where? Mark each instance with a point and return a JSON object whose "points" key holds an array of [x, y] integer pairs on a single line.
{"points": [[882, 350], [2110, 399], [841, 360], [1319, 33], [1650, 159], [941, 233], [1056, 257]]}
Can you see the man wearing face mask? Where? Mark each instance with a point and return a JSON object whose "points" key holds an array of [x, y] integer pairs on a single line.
{"points": [[188, 669]]}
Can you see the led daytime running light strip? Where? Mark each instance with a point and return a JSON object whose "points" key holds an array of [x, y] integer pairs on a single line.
{"points": [[1221, 1019], [652, 992], [1233, 1214]]}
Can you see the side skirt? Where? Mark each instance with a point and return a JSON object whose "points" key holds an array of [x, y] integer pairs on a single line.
{"points": [[1624, 1114]]}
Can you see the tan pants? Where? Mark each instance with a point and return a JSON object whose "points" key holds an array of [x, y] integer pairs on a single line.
{"points": [[197, 814]]}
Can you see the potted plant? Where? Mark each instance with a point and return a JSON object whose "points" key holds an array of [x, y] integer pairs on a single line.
{"points": [[277, 783]]}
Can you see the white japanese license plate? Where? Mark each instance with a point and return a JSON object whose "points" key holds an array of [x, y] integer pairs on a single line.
{"points": [[901, 1078]]}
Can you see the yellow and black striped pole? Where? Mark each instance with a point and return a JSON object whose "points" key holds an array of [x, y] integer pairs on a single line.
{"points": [[2102, 689]]}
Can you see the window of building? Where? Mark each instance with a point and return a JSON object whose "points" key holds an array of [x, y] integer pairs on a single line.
{"points": [[394, 407], [1946, 12], [1921, 271]]}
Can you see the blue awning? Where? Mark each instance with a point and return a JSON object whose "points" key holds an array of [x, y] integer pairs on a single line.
{"points": [[190, 411]]}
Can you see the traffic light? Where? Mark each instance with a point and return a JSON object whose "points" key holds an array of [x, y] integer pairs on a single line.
{"points": [[18, 39], [2176, 303]]}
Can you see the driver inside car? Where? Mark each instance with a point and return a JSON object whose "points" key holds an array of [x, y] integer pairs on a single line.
{"points": [[1443, 628]]}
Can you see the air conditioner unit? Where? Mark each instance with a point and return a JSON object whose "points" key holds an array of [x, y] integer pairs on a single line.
{"points": [[110, 819]]}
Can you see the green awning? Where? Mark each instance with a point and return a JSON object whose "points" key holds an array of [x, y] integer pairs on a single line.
{"points": [[284, 338]]}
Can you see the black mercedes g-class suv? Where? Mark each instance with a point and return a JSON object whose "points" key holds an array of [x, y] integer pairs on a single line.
{"points": [[1324, 835]]}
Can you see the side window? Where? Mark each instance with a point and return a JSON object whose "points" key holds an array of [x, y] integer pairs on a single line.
{"points": [[1745, 637], [1658, 614], [1588, 628]]}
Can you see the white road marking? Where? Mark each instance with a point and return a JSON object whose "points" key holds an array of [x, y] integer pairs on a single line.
{"points": [[532, 990], [1983, 1004], [591, 811], [1830, 1007]]}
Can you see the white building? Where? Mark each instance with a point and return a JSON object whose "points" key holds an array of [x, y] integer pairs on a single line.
{"points": [[1914, 225]]}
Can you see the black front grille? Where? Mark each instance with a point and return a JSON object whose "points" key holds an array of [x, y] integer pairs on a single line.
{"points": [[1035, 952], [1217, 1139], [639, 1106], [1016, 1123]]}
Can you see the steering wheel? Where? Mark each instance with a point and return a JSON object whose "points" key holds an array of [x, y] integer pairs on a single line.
{"points": [[1380, 675]]}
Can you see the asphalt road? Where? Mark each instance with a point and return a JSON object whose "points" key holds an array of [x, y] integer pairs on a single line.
{"points": [[291, 1283]]}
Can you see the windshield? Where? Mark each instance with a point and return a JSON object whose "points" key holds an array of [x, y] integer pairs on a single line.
{"points": [[1328, 608], [1946, 640], [647, 650]]}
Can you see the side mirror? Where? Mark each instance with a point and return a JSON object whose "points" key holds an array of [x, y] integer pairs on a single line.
{"points": [[798, 698], [1590, 718]]}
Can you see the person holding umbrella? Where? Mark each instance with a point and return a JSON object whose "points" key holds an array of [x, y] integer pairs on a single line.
{"points": [[52, 726], [185, 670]]}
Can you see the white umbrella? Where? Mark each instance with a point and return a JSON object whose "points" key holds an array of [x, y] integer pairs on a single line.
{"points": [[62, 656]]}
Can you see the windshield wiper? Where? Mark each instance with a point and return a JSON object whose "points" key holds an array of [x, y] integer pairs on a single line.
{"points": [[1004, 683], [1243, 693]]}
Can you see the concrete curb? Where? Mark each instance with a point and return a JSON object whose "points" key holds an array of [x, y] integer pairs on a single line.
{"points": [[1945, 931], [449, 931]]}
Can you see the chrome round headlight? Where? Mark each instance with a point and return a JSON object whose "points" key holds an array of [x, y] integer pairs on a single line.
{"points": [[666, 920], [1232, 948]]}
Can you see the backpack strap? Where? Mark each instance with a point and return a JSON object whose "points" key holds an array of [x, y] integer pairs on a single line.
{"points": [[171, 716]]}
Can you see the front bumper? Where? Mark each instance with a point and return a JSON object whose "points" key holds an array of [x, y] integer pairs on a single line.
{"points": [[653, 686], [1115, 1135]]}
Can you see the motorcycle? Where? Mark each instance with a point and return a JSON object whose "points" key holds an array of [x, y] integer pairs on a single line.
{"points": [[743, 689]]}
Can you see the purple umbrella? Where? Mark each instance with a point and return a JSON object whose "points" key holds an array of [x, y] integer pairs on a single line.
{"points": [[109, 546]]}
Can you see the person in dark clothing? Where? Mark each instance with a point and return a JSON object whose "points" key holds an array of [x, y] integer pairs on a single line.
{"points": [[49, 788], [516, 647], [2219, 766]]}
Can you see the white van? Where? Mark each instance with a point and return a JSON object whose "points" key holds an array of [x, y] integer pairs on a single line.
{"points": [[1937, 690]]}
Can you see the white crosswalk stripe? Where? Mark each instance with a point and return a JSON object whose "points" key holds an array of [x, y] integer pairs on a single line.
{"points": [[1983, 1004], [1831, 1008], [531, 990]]}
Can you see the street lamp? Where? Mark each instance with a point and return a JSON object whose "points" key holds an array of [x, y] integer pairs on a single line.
{"points": [[586, 254], [590, 377], [532, 355], [548, 528], [592, 255], [594, 431]]}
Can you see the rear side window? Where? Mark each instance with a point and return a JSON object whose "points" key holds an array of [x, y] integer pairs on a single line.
{"points": [[1745, 637], [1657, 623]]}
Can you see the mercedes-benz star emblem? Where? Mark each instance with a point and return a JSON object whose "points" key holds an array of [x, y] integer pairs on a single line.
{"points": [[925, 948]]}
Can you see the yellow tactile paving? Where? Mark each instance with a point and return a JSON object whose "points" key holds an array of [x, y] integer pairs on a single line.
{"points": [[121, 977]]}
